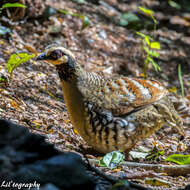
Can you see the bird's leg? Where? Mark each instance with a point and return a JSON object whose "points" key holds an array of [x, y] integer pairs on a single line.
{"points": [[170, 116]]}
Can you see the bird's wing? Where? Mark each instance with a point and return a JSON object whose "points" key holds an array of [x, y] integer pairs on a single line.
{"points": [[123, 95]]}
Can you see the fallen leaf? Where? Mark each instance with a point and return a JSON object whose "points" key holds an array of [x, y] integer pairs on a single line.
{"points": [[142, 75], [173, 89], [31, 49], [112, 160], [179, 159], [138, 155], [118, 169], [50, 131], [156, 182], [37, 123], [14, 104]]}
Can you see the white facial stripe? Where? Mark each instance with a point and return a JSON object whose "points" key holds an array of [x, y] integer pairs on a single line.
{"points": [[144, 91], [66, 51]]}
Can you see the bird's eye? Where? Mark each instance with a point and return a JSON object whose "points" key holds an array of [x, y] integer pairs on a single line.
{"points": [[56, 54]]}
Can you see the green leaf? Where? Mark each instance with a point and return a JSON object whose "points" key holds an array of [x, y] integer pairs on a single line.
{"points": [[179, 159], [144, 36], [147, 40], [154, 154], [174, 4], [155, 45], [112, 159], [151, 53], [146, 50], [141, 34], [85, 21], [155, 65], [8, 5], [154, 54], [128, 18], [16, 59], [65, 12], [146, 11], [180, 80], [4, 79]]}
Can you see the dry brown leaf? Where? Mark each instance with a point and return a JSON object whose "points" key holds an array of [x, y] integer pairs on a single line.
{"points": [[31, 49], [118, 169], [173, 89], [14, 104], [37, 123], [50, 131], [156, 182]]}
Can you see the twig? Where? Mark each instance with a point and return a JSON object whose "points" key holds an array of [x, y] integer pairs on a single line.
{"points": [[172, 170]]}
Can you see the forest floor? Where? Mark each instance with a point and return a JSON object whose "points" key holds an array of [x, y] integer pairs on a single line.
{"points": [[34, 97]]}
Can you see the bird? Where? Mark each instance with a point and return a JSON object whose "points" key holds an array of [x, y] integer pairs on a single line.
{"points": [[111, 113]]}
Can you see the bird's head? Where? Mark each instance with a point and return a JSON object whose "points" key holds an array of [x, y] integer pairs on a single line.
{"points": [[64, 60], [56, 55]]}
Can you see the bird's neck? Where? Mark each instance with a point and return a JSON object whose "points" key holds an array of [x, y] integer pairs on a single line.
{"points": [[68, 71], [72, 73]]}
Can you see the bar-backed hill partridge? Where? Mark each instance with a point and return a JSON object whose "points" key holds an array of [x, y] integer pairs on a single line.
{"points": [[111, 114]]}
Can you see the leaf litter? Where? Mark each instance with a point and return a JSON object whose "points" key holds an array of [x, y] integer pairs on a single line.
{"points": [[35, 100]]}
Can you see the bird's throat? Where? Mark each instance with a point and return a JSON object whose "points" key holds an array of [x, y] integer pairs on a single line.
{"points": [[67, 71]]}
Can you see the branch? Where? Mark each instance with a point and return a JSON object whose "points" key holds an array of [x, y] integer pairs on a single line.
{"points": [[172, 170]]}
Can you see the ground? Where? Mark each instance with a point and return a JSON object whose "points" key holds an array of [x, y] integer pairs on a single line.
{"points": [[34, 97]]}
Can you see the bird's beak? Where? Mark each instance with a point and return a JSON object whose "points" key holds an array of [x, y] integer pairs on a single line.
{"points": [[41, 57]]}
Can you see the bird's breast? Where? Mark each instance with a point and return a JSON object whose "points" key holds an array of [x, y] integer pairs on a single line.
{"points": [[75, 106]]}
